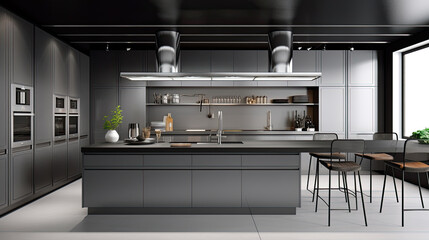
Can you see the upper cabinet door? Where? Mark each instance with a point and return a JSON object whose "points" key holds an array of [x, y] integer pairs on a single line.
{"points": [[333, 68], [222, 61], [245, 61], [60, 68], [4, 89], [305, 61], [362, 111], [362, 68], [22, 51], [195, 61], [132, 61], [43, 87], [332, 109], [73, 73], [104, 68]]}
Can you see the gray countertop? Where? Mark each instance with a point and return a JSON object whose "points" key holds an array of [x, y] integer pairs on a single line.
{"points": [[265, 147], [239, 132]]}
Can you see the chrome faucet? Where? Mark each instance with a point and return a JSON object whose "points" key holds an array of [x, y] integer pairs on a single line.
{"points": [[219, 127]]}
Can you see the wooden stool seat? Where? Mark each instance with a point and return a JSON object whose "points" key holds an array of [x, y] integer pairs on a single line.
{"points": [[347, 166], [376, 156]]}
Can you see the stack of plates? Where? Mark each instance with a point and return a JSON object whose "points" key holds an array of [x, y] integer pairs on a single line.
{"points": [[158, 125], [280, 100], [300, 99]]}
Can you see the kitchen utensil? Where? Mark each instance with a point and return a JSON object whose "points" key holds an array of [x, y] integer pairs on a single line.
{"points": [[133, 130], [157, 98], [210, 114], [180, 145], [137, 142]]}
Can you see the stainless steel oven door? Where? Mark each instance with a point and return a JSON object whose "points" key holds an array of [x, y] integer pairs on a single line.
{"points": [[60, 104], [60, 127], [74, 105], [22, 125], [73, 126], [21, 98]]}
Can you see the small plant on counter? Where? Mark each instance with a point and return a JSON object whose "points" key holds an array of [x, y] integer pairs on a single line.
{"points": [[421, 135], [116, 119]]}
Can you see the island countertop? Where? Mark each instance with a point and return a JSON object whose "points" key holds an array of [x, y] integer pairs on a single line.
{"points": [[292, 146]]}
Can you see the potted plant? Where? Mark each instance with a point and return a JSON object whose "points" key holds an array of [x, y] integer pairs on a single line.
{"points": [[111, 124], [421, 135]]}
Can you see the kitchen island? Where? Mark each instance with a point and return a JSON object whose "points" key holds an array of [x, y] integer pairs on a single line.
{"points": [[257, 176]]}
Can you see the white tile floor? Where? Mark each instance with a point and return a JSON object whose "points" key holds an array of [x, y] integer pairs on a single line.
{"points": [[60, 216]]}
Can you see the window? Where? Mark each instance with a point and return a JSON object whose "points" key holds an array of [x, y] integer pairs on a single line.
{"points": [[415, 90]]}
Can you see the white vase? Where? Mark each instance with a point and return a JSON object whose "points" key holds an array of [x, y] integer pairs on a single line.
{"points": [[112, 136]]}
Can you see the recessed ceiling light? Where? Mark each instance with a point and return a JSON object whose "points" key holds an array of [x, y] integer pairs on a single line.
{"points": [[309, 48], [299, 48], [128, 49], [107, 47], [324, 47], [352, 49]]}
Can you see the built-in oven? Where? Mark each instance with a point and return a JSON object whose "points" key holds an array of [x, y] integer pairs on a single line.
{"points": [[22, 116], [22, 129], [60, 127], [21, 98], [60, 103], [73, 118]]}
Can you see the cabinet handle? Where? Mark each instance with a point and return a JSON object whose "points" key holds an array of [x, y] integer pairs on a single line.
{"points": [[21, 149], [45, 144], [73, 139], [59, 141], [3, 152], [83, 136]]}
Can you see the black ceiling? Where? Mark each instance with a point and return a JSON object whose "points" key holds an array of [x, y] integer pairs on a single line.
{"points": [[226, 24]]}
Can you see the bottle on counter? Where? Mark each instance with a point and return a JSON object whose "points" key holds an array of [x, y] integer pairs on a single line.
{"points": [[169, 123]]}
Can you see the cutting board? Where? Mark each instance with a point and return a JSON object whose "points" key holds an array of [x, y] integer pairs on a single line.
{"points": [[180, 145]]}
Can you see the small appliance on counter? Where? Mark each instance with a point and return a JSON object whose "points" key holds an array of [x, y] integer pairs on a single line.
{"points": [[133, 130]]}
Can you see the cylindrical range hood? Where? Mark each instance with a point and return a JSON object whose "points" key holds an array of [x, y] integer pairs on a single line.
{"points": [[167, 51], [280, 54]]}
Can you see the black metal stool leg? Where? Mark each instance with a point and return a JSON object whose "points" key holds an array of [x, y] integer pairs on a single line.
{"points": [[308, 174], [317, 196], [403, 175], [420, 190], [354, 175], [329, 204], [315, 178], [384, 186], [394, 184], [363, 202], [344, 187], [347, 190], [370, 181]]}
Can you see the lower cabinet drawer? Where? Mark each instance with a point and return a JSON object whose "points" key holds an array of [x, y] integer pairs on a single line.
{"points": [[113, 160], [291, 161], [113, 188], [271, 188]]}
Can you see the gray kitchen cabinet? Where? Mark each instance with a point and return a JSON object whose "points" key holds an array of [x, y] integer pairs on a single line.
{"points": [[83, 142], [132, 101], [21, 175], [132, 61], [214, 182], [305, 61], [362, 111], [22, 37], [84, 94], [60, 68], [263, 61], [73, 165], [271, 188], [4, 86], [43, 87], [119, 188], [73, 73], [103, 101], [42, 166], [170, 188], [3, 180], [59, 162], [333, 68], [222, 61], [245, 61], [195, 61], [104, 68], [362, 68], [332, 109]]}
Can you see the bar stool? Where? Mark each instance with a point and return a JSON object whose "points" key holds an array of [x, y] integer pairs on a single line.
{"points": [[344, 147], [382, 142], [415, 154], [323, 136]]}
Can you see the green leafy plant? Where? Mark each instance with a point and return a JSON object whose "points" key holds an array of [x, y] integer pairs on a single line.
{"points": [[421, 135], [116, 119]]}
